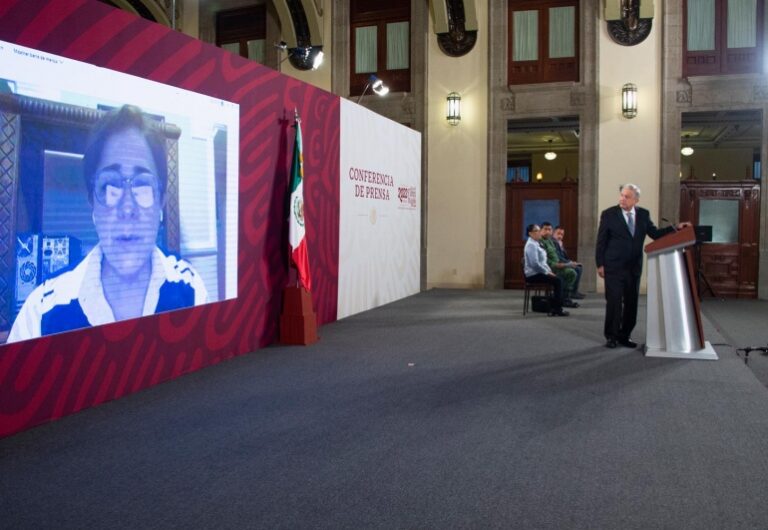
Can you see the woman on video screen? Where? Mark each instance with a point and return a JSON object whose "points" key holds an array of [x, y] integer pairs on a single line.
{"points": [[125, 275]]}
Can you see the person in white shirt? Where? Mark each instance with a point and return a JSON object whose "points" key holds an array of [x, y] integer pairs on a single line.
{"points": [[537, 270], [126, 275]]}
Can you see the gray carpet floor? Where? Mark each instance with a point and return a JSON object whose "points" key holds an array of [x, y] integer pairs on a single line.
{"points": [[742, 324], [448, 409]]}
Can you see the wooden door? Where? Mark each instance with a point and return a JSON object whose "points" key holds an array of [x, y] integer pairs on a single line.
{"points": [[729, 263], [535, 203]]}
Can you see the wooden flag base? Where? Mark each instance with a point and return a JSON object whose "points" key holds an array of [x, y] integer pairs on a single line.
{"points": [[298, 323]]}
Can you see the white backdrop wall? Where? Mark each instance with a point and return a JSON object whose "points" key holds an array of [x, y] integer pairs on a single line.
{"points": [[380, 210]]}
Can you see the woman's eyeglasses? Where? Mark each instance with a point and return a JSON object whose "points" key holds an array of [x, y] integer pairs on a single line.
{"points": [[110, 187]]}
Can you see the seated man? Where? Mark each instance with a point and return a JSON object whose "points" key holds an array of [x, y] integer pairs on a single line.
{"points": [[562, 255], [537, 270], [565, 273]]}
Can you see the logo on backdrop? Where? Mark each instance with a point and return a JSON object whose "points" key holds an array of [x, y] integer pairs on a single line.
{"points": [[407, 197]]}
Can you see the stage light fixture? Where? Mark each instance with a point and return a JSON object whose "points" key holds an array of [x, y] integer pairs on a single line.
{"points": [[318, 60], [375, 84], [302, 57]]}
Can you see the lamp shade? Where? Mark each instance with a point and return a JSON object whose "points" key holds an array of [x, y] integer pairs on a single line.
{"points": [[550, 155], [629, 100], [686, 151], [454, 108]]}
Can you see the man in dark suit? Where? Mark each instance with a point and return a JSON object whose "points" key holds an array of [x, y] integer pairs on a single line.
{"points": [[619, 256]]}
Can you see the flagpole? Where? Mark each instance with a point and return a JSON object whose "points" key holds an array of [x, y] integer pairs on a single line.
{"points": [[297, 126], [297, 121]]}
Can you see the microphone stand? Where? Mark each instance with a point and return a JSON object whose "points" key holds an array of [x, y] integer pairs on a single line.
{"points": [[748, 349], [701, 278]]}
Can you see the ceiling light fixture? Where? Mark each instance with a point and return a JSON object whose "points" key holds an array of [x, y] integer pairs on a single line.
{"points": [[687, 150], [550, 155]]}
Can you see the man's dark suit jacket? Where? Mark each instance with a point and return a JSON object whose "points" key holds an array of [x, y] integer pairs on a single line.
{"points": [[562, 255], [616, 249]]}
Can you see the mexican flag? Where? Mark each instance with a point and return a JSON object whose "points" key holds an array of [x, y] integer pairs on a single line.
{"points": [[296, 232]]}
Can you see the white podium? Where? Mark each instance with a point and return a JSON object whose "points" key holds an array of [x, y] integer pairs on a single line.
{"points": [[674, 327]]}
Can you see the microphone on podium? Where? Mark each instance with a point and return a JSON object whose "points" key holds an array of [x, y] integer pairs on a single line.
{"points": [[670, 223]]}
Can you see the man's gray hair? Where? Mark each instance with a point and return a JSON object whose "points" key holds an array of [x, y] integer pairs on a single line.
{"points": [[633, 187]]}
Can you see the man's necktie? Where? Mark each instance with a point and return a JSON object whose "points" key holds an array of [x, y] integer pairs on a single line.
{"points": [[631, 224]]}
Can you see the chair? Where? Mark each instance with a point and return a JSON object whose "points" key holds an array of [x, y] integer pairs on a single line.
{"points": [[535, 288]]}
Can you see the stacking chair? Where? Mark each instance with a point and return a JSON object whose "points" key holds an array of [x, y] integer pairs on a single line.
{"points": [[533, 288]]}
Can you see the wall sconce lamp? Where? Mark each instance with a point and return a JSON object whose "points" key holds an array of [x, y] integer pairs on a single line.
{"points": [[687, 150], [454, 108], [375, 84], [539, 176], [550, 155], [629, 100], [302, 57]]}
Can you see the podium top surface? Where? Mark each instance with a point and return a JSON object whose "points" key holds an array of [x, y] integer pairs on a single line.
{"points": [[682, 238]]}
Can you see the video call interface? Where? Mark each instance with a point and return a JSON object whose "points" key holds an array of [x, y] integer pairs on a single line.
{"points": [[124, 195]]}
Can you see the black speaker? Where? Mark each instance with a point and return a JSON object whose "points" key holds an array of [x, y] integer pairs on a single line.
{"points": [[27, 266], [59, 253]]}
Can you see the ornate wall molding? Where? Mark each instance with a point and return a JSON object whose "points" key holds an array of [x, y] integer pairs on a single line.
{"points": [[760, 93], [407, 106], [684, 96], [622, 34], [578, 99], [629, 29], [461, 36], [508, 103]]}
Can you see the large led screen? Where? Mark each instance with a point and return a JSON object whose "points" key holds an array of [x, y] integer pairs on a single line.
{"points": [[124, 195]]}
